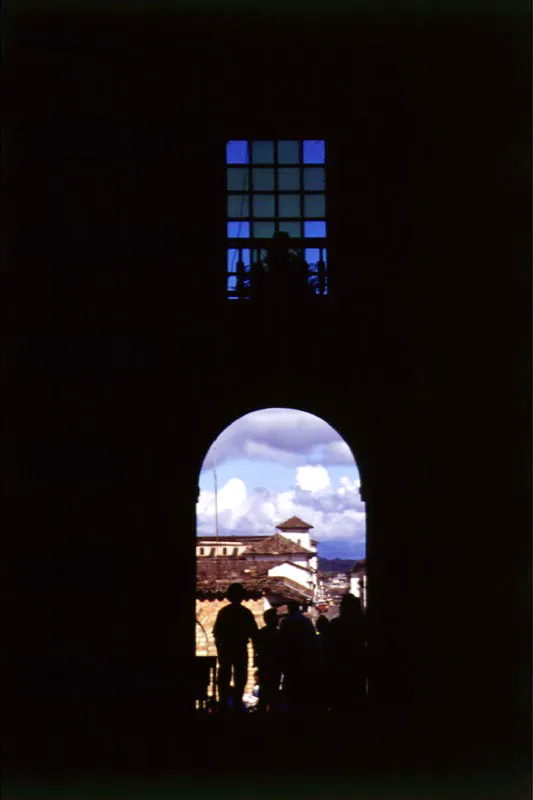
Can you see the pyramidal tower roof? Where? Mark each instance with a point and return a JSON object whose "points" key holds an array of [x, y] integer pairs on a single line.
{"points": [[294, 524]]}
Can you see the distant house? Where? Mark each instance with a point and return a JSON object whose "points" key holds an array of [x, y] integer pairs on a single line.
{"points": [[358, 583], [289, 555]]}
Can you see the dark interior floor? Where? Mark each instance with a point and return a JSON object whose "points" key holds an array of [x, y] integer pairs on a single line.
{"points": [[364, 754]]}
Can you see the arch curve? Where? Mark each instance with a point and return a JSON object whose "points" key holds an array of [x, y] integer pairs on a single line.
{"points": [[349, 420]]}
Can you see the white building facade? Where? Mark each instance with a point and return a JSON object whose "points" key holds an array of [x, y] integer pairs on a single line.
{"points": [[291, 548]]}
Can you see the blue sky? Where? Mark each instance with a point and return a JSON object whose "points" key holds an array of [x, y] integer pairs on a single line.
{"points": [[276, 463]]}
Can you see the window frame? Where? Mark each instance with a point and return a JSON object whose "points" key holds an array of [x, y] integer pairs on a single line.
{"points": [[256, 244]]}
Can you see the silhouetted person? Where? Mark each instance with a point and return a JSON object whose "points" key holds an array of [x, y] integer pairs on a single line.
{"points": [[298, 272], [268, 662], [234, 627], [346, 655], [278, 253], [298, 657]]}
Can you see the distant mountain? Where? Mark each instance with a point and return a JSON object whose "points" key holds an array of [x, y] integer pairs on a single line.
{"points": [[334, 565], [343, 550]]}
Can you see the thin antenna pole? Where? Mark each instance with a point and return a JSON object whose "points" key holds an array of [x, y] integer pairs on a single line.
{"points": [[216, 506]]}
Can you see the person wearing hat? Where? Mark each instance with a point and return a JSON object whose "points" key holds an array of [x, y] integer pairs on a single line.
{"points": [[234, 627]]}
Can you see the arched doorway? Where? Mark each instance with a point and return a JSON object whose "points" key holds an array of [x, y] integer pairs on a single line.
{"points": [[280, 511]]}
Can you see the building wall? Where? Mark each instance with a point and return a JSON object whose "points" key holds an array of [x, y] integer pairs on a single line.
{"points": [[114, 416], [219, 549], [293, 572], [301, 561], [303, 539]]}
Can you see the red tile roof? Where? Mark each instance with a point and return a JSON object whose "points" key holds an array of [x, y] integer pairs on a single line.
{"points": [[213, 576], [278, 590], [277, 544], [294, 524], [232, 538], [292, 564]]}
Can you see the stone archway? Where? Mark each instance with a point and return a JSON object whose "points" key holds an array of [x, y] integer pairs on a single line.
{"points": [[230, 558]]}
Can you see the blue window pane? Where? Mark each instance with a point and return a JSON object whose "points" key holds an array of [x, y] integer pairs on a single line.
{"points": [[238, 230], [263, 152], [312, 256], [294, 229], [263, 230], [288, 178], [315, 229], [288, 152], [263, 179], [314, 152], [263, 205], [238, 205], [314, 179], [289, 205], [314, 205], [233, 257], [232, 283], [237, 178], [237, 152]]}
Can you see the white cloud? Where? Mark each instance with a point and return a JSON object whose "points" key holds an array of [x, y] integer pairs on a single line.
{"points": [[232, 495], [336, 512], [338, 453], [312, 479], [281, 435]]}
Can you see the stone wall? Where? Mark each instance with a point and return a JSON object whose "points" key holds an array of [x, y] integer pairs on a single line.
{"points": [[206, 614]]}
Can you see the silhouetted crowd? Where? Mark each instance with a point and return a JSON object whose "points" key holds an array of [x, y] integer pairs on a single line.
{"points": [[299, 666]]}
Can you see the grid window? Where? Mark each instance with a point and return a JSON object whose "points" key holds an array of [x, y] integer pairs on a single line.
{"points": [[238, 205], [263, 152], [317, 260], [237, 179], [239, 230], [288, 152], [263, 179], [314, 179], [237, 152], [288, 178], [315, 230], [233, 258], [294, 229], [314, 152], [263, 230], [274, 186], [314, 205], [312, 256], [263, 205], [289, 205], [259, 255]]}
